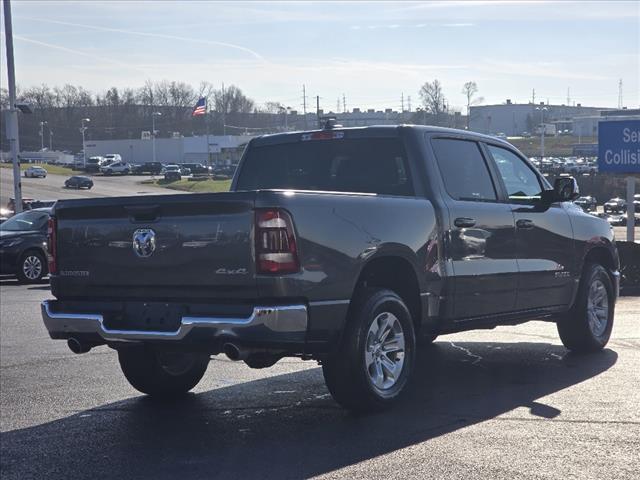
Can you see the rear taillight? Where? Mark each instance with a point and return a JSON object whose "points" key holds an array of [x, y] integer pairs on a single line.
{"points": [[51, 245], [276, 251]]}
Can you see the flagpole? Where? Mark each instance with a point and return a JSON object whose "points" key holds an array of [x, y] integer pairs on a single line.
{"points": [[206, 114]]}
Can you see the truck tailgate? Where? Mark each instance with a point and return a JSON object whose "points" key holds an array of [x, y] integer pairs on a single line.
{"points": [[156, 247]]}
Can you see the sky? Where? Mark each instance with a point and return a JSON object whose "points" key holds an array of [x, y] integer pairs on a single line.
{"points": [[373, 53]]}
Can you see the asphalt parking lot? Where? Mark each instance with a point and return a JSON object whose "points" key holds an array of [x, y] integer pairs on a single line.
{"points": [[52, 187], [504, 403]]}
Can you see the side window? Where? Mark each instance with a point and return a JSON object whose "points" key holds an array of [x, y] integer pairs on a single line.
{"points": [[522, 184], [464, 171]]}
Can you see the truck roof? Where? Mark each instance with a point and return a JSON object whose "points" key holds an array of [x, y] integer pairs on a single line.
{"points": [[374, 131]]}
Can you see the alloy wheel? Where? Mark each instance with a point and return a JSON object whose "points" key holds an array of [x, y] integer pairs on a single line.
{"points": [[384, 352], [598, 308]]}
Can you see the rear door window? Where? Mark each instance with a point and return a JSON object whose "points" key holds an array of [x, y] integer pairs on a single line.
{"points": [[464, 170], [363, 165]]}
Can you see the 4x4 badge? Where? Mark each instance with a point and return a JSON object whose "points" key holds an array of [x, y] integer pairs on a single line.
{"points": [[144, 242]]}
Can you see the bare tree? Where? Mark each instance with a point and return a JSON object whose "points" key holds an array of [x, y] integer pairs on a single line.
{"points": [[469, 90], [232, 100], [433, 99], [272, 107]]}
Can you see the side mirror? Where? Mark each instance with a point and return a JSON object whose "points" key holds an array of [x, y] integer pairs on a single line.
{"points": [[565, 189]]}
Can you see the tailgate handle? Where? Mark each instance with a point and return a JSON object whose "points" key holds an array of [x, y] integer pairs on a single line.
{"points": [[143, 213]]}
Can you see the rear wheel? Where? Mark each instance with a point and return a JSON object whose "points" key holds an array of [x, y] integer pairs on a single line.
{"points": [[375, 359], [31, 267], [161, 373], [587, 326]]}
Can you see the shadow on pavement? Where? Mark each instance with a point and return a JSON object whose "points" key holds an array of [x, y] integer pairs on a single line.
{"points": [[288, 426]]}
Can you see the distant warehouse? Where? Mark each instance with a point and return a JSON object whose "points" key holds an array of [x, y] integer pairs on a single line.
{"points": [[516, 119], [221, 149]]}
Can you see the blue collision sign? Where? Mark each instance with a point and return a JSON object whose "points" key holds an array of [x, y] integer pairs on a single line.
{"points": [[619, 146]]}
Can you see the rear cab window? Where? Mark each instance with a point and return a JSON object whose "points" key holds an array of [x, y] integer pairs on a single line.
{"points": [[338, 164], [464, 171]]}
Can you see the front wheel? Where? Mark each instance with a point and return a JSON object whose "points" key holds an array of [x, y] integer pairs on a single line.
{"points": [[371, 367], [587, 326], [161, 373], [31, 267]]}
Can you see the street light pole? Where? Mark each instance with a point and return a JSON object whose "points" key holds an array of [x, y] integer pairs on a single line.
{"points": [[12, 113], [153, 132], [42, 124], [50, 140], [84, 149], [542, 130]]}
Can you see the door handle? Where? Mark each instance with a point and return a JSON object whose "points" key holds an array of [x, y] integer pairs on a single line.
{"points": [[525, 224], [464, 222]]}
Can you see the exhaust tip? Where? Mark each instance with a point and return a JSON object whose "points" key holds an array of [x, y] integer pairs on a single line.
{"points": [[233, 352], [77, 347]]}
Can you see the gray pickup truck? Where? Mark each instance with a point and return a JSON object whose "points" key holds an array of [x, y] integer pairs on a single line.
{"points": [[349, 246]]}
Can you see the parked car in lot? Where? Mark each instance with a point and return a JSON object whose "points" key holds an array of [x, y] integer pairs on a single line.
{"points": [[341, 245], [121, 168], [93, 164], [35, 172], [636, 202], [78, 181], [112, 158], [621, 220], [23, 245], [588, 203], [197, 168], [172, 173], [615, 205], [151, 168]]}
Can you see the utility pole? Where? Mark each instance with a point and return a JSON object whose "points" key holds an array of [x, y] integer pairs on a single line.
{"points": [[344, 103], [12, 114], [533, 96], [402, 102], [338, 105], [304, 104], [318, 110], [409, 103], [50, 140], [568, 96]]}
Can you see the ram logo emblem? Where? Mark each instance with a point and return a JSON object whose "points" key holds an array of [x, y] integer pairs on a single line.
{"points": [[144, 242]]}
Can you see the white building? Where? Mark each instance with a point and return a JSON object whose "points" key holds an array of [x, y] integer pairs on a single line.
{"points": [[223, 150]]}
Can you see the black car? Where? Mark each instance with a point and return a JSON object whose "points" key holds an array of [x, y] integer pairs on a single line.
{"points": [[152, 168], [197, 168], [78, 181], [615, 205], [23, 245], [587, 203]]}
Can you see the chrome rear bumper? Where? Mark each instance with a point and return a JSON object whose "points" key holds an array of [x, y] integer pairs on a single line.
{"points": [[282, 322]]}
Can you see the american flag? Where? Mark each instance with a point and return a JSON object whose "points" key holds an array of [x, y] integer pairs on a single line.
{"points": [[200, 108]]}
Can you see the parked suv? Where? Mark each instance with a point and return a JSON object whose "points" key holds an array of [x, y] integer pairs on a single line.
{"points": [[615, 205], [152, 168], [122, 168], [197, 168], [346, 246]]}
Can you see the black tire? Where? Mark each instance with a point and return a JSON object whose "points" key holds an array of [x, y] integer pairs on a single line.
{"points": [[346, 373], [159, 373], [581, 331], [32, 267]]}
